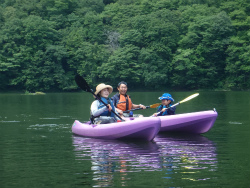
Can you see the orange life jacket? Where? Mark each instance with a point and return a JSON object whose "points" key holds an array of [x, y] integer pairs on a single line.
{"points": [[124, 103]]}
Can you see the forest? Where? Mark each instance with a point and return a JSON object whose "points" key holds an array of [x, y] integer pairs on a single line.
{"points": [[150, 44]]}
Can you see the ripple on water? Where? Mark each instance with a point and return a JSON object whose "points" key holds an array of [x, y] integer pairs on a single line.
{"points": [[235, 123], [50, 126], [13, 121]]}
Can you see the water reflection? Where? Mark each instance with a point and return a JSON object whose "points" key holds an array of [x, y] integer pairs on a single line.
{"points": [[174, 155], [193, 156], [109, 157]]}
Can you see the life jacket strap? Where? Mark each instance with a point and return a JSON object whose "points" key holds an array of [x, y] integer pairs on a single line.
{"points": [[92, 118], [109, 113], [127, 103]]}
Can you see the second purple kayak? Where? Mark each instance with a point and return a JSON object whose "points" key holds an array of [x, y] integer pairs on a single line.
{"points": [[195, 122]]}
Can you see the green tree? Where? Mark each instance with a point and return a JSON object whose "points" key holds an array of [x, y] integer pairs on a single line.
{"points": [[207, 38], [122, 65], [87, 59], [26, 49], [186, 71], [11, 38], [238, 64], [186, 44], [156, 70]]}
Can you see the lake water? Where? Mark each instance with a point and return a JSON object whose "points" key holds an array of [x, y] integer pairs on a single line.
{"points": [[38, 149]]}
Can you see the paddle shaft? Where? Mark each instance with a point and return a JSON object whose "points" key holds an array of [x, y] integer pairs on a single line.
{"points": [[151, 106], [127, 111]]}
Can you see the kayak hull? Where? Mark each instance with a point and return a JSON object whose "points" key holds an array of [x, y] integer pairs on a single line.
{"points": [[138, 128], [196, 122]]}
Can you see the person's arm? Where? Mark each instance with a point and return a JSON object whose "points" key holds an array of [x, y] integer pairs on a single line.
{"points": [[94, 109], [159, 108], [171, 110], [138, 106], [119, 111]]}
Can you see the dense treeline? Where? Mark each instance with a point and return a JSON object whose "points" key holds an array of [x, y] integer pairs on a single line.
{"points": [[179, 44]]}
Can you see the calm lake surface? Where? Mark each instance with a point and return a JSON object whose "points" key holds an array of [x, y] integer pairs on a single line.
{"points": [[38, 149]]}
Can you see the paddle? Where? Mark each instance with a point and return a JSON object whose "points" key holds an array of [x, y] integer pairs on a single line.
{"points": [[151, 106], [81, 82], [184, 100]]}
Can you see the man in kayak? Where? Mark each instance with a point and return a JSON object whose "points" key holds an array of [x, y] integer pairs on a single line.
{"points": [[122, 101], [99, 112], [165, 107]]}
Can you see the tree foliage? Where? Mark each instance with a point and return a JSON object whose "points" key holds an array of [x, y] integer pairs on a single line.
{"points": [[155, 44]]}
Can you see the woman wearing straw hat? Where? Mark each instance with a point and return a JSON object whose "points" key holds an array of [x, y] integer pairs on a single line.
{"points": [[165, 107], [99, 112]]}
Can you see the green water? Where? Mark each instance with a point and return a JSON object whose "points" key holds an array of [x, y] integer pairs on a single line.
{"points": [[37, 148]]}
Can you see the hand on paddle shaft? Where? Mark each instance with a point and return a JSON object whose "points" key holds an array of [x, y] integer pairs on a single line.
{"points": [[109, 107], [81, 82], [184, 100], [163, 110], [151, 106]]}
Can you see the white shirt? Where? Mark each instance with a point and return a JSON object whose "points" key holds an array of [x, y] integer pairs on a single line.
{"points": [[97, 112]]}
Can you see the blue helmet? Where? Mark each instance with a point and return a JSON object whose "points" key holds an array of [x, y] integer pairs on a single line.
{"points": [[166, 96]]}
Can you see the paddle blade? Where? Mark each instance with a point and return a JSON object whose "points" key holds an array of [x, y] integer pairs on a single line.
{"points": [[155, 105], [81, 82], [189, 98]]}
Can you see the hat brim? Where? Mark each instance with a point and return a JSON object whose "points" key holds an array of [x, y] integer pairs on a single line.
{"points": [[110, 89], [167, 98], [161, 98]]}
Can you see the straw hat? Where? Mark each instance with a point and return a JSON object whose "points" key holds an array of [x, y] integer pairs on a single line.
{"points": [[103, 86]]}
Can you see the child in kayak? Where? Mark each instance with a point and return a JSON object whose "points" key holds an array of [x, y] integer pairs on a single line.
{"points": [[100, 114], [165, 107], [122, 101]]}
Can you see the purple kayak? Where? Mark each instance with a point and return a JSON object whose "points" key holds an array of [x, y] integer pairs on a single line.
{"points": [[138, 128], [196, 122]]}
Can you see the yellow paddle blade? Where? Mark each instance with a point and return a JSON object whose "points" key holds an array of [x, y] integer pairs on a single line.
{"points": [[189, 98], [155, 105]]}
